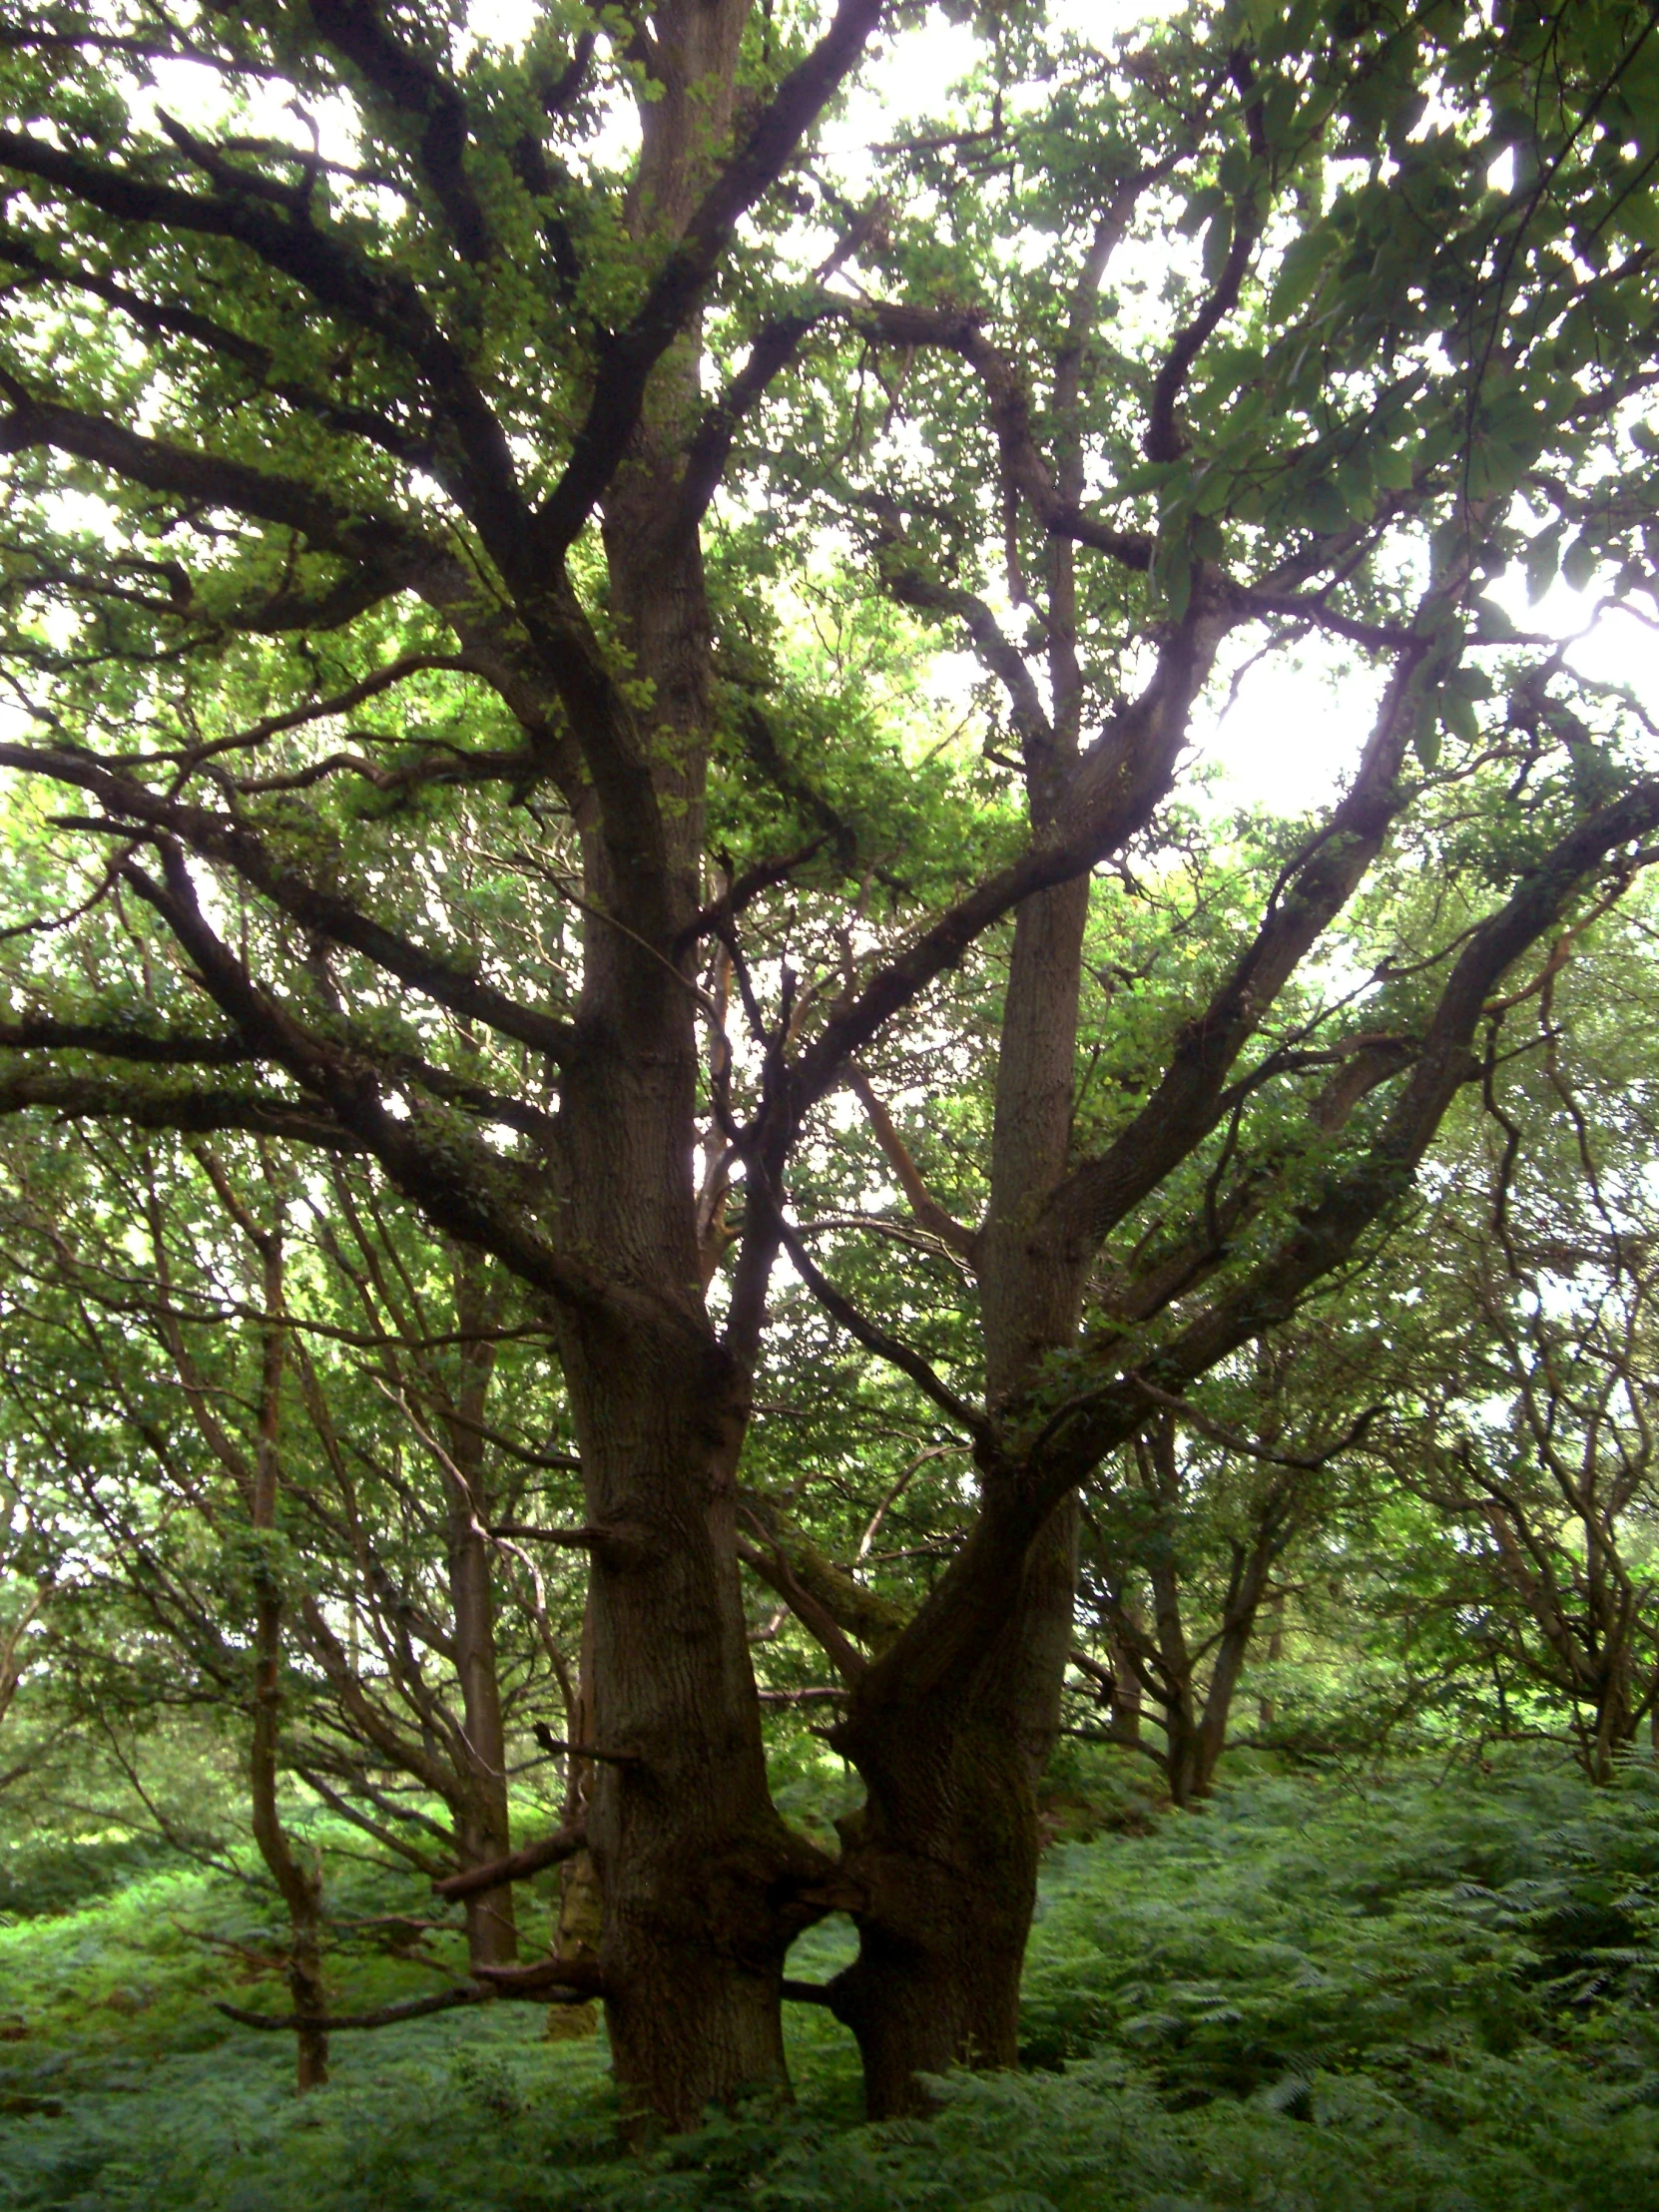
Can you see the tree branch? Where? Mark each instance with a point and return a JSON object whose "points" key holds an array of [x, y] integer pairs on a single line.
{"points": [[412, 2008], [628, 358], [412, 84], [925, 1207], [517, 1866], [234, 843]]}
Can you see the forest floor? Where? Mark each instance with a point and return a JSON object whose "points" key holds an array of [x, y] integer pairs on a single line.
{"points": [[1437, 1990]]}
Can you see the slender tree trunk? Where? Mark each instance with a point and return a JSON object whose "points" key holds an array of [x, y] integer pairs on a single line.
{"points": [[301, 1887], [580, 1918], [1251, 1571], [484, 1822], [1127, 1702], [1267, 1711], [1226, 1669]]}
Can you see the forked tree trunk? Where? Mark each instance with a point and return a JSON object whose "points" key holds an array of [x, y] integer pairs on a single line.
{"points": [[948, 1849], [1615, 1716], [944, 1854]]}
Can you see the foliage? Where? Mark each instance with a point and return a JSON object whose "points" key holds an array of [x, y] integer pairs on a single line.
{"points": [[1434, 1988], [500, 874]]}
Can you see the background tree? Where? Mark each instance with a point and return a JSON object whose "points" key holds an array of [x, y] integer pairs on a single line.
{"points": [[1188, 1537], [237, 1419], [1529, 1419]]}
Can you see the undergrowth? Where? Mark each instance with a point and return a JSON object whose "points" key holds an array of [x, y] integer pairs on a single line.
{"points": [[1432, 1994]]}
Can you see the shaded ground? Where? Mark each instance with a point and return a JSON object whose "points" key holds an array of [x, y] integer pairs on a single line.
{"points": [[1436, 1994]]}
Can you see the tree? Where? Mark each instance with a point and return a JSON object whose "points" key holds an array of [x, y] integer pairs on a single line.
{"points": [[1188, 1540], [418, 636], [1533, 1440], [27, 1575], [238, 1398]]}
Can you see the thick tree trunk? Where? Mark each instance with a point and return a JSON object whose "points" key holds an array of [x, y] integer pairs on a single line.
{"points": [[689, 1853], [947, 1847], [695, 1868], [1615, 1716], [943, 1855]]}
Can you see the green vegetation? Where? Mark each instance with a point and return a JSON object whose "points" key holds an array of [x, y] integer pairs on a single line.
{"points": [[1426, 1989], [717, 1282]]}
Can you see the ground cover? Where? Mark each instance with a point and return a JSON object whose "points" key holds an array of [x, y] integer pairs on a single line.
{"points": [[1435, 1990]]}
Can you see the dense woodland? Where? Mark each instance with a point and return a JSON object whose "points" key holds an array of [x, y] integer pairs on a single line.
{"points": [[757, 1371]]}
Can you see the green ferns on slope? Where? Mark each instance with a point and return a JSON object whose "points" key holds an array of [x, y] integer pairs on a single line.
{"points": [[1432, 1994]]}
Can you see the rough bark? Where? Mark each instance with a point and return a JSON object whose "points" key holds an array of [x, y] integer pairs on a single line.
{"points": [[945, 1853], [688, 1854]]}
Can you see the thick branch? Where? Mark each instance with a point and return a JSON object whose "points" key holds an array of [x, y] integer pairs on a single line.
{"points": [[518, 1865], [175, 1048], [969, 1606], [412, 84], [192, 1113], [234, 843], [1114, 791], [547, 1980], [925, 1207], [372, 295], [767, 149]]}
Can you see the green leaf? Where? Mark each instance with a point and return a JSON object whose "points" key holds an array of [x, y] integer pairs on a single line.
{"points": [[1299, 273], [1492, 625], [1580, 562], [1459, 718], [1322, 507], [1207, 541], [1218, 243], [1543, 561]]}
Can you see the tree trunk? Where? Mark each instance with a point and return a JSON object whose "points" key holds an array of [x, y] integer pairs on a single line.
{"points": [[690, 1855], [945, 1852], [695, 1868], [1616, 1717], [580, 1920], [1126, 1701], [1267, 1711], [301, 1887], [482, 1824]]}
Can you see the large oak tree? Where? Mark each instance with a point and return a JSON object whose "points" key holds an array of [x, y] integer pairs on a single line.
{"points": [[426, 455]]}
